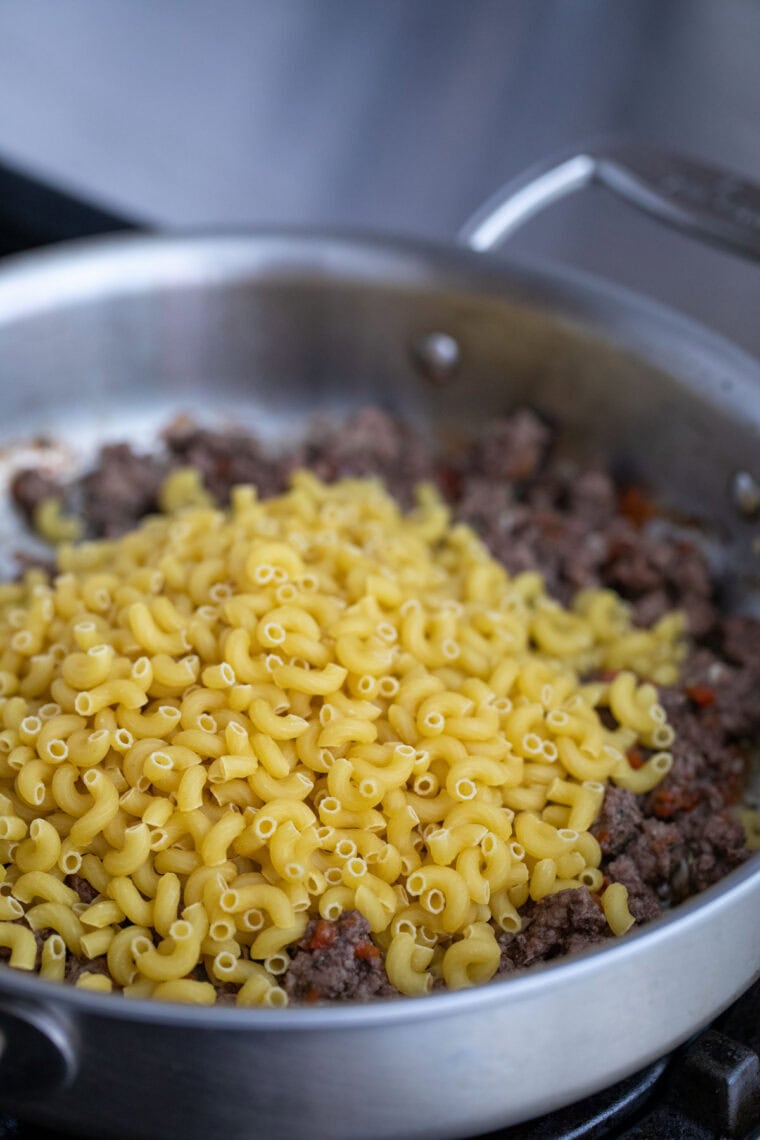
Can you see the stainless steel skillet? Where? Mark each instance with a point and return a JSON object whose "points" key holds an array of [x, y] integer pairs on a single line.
{"points": [[110, 337]]}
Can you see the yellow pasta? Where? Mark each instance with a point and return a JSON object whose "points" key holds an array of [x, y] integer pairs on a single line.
{"points": [[20, 941], [406, 963], [41, 885], [96, 983], [260, 988], [60, 917], [443, 891], [133, 854], [540, 839], [473, 959], [53, 523], [751, 822], [104, 808], [230, 722], [122, 951], [646, 777], [183, 488], [185, 990], [182, 947], [96, 942], [53, 958], [101, 913], [615, 906]]}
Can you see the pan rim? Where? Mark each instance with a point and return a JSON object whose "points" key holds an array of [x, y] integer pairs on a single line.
{"points": [[614, 315], [76, 270], [673, 926]]}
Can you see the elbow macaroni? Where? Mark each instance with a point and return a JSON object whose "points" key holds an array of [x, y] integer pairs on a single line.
{"points": [[230, 722]]}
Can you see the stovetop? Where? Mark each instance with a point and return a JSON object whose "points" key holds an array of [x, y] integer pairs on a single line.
{"points": [[707, 1090]]}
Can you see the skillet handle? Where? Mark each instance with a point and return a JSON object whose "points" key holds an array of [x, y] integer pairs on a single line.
{"points": [[710, 203], [37, 1054]]}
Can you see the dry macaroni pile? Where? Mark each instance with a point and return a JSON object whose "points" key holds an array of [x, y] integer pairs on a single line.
{"points": [[230, 722]]}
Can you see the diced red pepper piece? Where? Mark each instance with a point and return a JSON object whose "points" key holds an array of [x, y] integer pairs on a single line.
{"points": [[597, 895], [665, 803], [312, 996], [701, 695], [635, 505], [635, 759], [449, 480], [366, 950], [323, 936]]}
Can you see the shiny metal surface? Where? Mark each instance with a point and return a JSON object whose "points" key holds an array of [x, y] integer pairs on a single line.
{"points": [[699, 199], [448, 1065], [388, 115], [747, 494], [109, 339], [37, 1050]]}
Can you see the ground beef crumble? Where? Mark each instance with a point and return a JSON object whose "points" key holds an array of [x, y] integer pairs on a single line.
{"points": [[337, 960], [85, 890], [75, 967], [534, 511], [557, 925], [31, 487]]}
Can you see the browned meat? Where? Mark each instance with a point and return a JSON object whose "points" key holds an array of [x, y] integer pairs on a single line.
{"points": [[75, 967], [619, 821], [568, 523], [741, 640], [642, 564], [31, 487], [337, 960], [369, 443], [26, 561], [732, 677], [565, 547], [226, 993], [557, 925], [680, 838], [225, 458], [714, 851], [708, 762], [643, 903], [85, 890], [591, 496], [122, 488], [512, 449]]}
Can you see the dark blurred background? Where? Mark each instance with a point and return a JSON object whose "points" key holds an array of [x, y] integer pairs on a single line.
{"points": [[399, 115]]}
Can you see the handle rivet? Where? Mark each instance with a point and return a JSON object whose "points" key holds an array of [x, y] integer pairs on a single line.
{"points": [[437, 357], [746, 492]]}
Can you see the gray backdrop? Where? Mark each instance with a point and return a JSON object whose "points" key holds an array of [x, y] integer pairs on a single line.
{"points": [[400, 115]]}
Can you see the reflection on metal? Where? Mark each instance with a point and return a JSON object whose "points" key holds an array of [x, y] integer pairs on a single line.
{"points": [[37, 1052], [746, 491], [526, 196], [705, 201], [437, 357]]}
